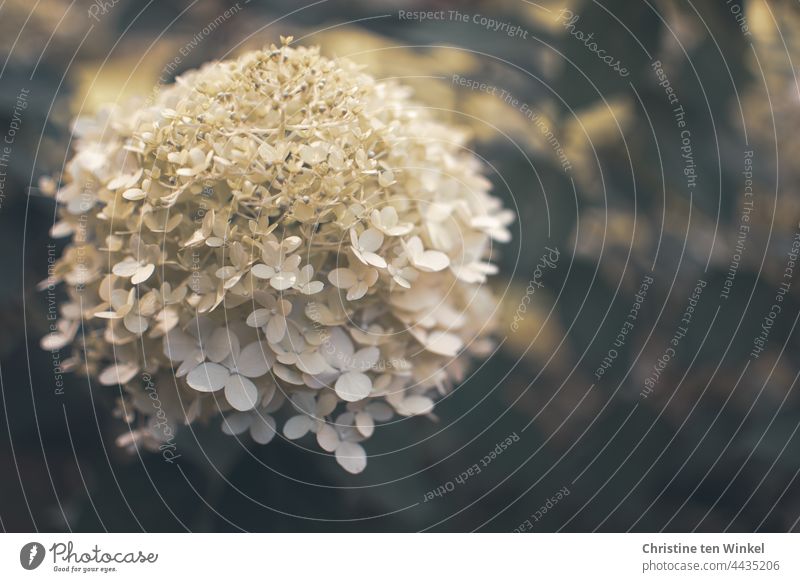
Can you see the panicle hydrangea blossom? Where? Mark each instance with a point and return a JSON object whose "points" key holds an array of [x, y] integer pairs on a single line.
{"points": [[279, 232]]}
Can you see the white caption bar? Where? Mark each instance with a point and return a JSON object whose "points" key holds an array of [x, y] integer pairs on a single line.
{"points": [[389, 557]]}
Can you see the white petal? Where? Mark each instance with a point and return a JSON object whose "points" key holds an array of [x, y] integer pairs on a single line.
{"points": [[221, 343], [365, 358], [271, 253], [262, 271], [443, 343], [297, 426], [371, 277], [263, 428], [386, 178], [311, 363], [255, 360], [107, 315], [189, 364], [268, 393], [276, 328], [375, 260], [241, 393], [55, 341], [370, 240], [342, 278], [365, 424], [388, 216], [288, 374], [327, 438], [400, 229], [283, 280], [258, 318], [208, 377], [124, 180], [431, 261], [117, 374], [304, 402], [357, 291], [413, 247], [178, 345], [326, 404], [320, 381], [352, 457], [438, 211], [134, 194], [379, 411], [291, 243], [345, 420], [292, 264], [413, 405], [312, 288], [276, 402], [235, 423], [135, 323], [126, 268], [201, 328], [338, 348], [402, 282], [353, 386], [305, 274], [143, 273], [375, 217]]}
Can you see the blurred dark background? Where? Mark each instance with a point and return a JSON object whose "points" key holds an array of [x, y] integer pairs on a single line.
{"points": [[599, 174]]}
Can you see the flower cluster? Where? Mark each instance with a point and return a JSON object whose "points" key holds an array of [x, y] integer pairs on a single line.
{"points": [[279, 232]]}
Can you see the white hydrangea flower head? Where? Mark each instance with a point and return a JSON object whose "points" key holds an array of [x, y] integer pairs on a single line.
{"points": [[282, 243]]}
